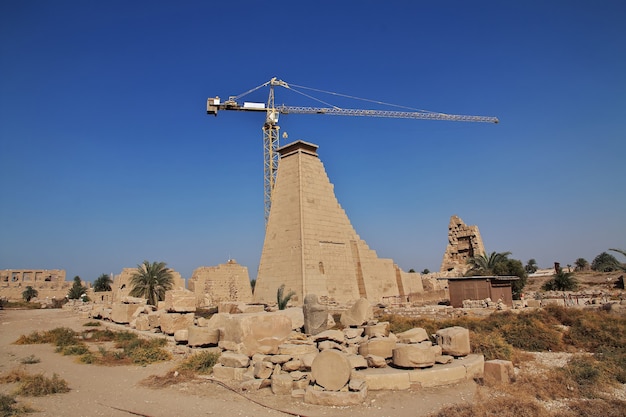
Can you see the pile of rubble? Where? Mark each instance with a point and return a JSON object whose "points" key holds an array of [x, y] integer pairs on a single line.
{"points": [[296, 352]]}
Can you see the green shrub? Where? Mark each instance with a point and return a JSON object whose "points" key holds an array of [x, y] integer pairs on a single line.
{"points": [[92, 324], [78, 350], [10, 407]]}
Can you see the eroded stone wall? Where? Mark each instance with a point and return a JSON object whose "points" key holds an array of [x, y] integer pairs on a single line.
{"points": [[49, 283], [464, 242], [223, 283]]}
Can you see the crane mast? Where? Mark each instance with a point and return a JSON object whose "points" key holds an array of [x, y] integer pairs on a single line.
{"points": [[271, 129]]}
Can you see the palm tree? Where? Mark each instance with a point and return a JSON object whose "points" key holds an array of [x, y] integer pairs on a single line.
{"points": [[29, 293], [151, 280], [581, 264], [78, 290], [531, 266], [605, 262], [561, 281], [484, 264], [102, 283], [623, 252], [283, 300]]}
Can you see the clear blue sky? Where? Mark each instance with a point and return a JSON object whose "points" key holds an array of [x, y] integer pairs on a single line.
{"points": [[108, 157]]}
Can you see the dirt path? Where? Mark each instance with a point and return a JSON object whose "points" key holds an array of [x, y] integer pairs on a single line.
{"points": [[95, 389]]}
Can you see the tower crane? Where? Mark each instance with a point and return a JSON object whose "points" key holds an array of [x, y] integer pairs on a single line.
{"points": [[271, 128]]}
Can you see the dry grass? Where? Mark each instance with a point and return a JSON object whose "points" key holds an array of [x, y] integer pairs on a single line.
{"points": [[129, 347], [35, 385], [200, 363], [10, 407]]}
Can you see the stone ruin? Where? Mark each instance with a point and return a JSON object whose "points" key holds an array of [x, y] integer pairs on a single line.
{"points": [[49, 283], [464, 242], [228, 282], [330, 367]]}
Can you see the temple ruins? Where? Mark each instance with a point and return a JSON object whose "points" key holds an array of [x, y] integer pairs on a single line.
{"points": [[310, 245], [464, 242], [227, 282]]}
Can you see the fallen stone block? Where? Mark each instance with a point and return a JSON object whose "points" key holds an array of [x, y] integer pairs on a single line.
{"points": [[333, 335], [360, 313], [474, 365], [499, 371], [377, 330], [263, 370], [234, 360], [380, 347], [122, 313], [374, 361], [171, 322], [282, 384], [333, 398], [413, 356], [438, 375], [415, 335], [202, 336], [454, 341], [385, 378], [294, 314], [180, 301], [331, 370], [357, 361], [256, 332], [296, 350], [181, 336], [226, 373]]}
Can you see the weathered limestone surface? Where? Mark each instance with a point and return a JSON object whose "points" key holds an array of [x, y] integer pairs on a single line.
{"points": [[282, 384], [202, 336], [498, 370], [227, 373], [440, 375], [331, 370], [49, 283], [464, 242], [382, 347], [180, 301], [454, 341], [234, 360], [170, 322], [332, 398], [310, 245], [414, 356], [122, 313], [360, 313], [315, 315], [223, 283], [415, 335], [385, 379], [257, 332], [296, 316]]}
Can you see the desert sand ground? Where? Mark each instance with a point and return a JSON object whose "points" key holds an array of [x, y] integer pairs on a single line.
{"points": [[95, 390]]}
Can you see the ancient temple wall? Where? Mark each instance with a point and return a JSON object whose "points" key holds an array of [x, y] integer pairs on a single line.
{"points": [[223, 283]]}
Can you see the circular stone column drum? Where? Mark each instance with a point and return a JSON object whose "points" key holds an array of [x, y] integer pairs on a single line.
{"points": [[331, 370]]}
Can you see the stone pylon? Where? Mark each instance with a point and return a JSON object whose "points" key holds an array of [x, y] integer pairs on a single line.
{"points": [[464, 242], [310, 245]]}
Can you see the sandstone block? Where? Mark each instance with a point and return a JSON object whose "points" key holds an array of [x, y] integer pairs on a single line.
{"points": [[122, 313], [332, 335], [296, 316], [315, 315], [180, 301], [443, 359], [360, 313], [282, 384], [307, 359], [263, 370], [226, 373], [331, 369], [385, 379], [181, 336], [438, 375], [413, 356], [202, 336], [296, 350], [142, 323], [280, 359], [292, 365], [234, 360], [353, 333], [474, 365], [454, 341], [499, 371], [327, 344], [257, 332], [170, 322], [374, 361], [415, 335], [377, 330], [357, 361], [331, 398], [380, 347]]}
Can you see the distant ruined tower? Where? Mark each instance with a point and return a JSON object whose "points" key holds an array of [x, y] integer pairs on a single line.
{"points": [[464, 242], [310, 245]]}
